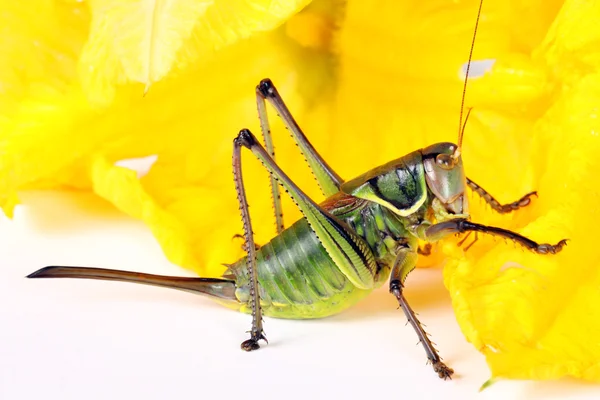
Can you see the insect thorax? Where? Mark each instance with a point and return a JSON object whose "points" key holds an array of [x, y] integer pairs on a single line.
{"points": [[383, 230]]}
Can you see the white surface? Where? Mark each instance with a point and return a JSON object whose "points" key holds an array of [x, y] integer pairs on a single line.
{"points": [[81, 339]]}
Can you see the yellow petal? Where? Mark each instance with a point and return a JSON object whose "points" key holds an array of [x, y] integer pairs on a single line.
{"points": [[121, 186], [39, 46], [533, 316], [33, 143], [571, 45], [399, 90], [142, 40]]}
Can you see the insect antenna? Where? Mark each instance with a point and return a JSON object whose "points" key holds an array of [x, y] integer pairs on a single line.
{"points": [[464, 125], [461, 126]]}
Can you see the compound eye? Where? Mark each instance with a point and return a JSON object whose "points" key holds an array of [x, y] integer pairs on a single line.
{"points": [[445, 161]]}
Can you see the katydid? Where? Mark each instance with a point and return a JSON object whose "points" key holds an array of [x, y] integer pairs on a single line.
{"points": [[366, 232]]}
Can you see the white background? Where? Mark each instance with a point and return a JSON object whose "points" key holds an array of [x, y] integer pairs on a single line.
{"points": [[82, 339]]}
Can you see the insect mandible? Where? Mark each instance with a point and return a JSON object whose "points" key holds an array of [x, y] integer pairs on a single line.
{"points": [[366, 231]]}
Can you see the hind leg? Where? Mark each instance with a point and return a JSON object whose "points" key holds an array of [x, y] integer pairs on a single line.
{"points": [[329, 181], [257, 332]]}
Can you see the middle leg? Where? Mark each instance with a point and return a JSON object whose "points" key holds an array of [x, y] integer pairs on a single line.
{"points": [[433, 233], [405, 262]]}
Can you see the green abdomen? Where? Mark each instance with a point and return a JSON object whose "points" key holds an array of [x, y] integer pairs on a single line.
{"points": [[297, 278]]}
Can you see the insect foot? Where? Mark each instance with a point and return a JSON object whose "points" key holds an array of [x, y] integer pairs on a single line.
{"points": [[425, 250], [240, 236], [550, 249], [252, 343], [245, 138], [266, 88], [443, 371], [522, 202]]}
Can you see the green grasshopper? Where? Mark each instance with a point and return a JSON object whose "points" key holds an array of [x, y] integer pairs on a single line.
{"points": [[366, 231]]}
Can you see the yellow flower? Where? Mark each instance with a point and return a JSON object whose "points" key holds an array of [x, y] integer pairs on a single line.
{"points": [[369, 83], [536, 317]]}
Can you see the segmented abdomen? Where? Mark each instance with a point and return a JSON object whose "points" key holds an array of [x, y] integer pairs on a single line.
{"points": [[297, 277]]}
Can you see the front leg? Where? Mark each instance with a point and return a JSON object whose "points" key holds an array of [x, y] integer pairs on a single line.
{"points": [[500, 208], [405, 262]]}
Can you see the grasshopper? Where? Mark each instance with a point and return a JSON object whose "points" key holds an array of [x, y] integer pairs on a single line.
{"points": [[365, 233]]}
